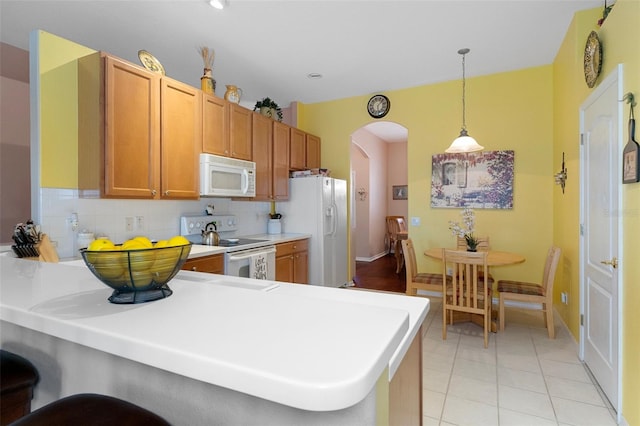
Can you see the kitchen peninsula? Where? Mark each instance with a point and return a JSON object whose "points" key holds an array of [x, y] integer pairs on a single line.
{"points": [[220, 350]]}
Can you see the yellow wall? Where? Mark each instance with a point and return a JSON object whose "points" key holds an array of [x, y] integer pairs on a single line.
{"points": [[504, 111], [621, 45], [58, 110], [536, 113]]}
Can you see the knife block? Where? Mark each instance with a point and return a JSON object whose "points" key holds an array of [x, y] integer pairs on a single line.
{"points": [[46, 251]]}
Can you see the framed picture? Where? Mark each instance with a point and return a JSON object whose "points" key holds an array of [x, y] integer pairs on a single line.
{"points": [[400, 192], [480, 180], [630, 164]]}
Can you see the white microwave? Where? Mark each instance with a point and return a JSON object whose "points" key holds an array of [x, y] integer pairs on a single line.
{"points": [[226, 177]]}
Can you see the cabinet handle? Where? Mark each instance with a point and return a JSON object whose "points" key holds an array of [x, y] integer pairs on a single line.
{"points": [[166, 192], [153, 192], [193, 268]]}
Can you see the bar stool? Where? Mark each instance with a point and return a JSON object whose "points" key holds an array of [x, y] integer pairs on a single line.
{"points": [[18, 377], [91, 410]]}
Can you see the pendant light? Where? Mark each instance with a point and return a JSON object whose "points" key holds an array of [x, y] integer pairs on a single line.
{"points": [[464, 142]]}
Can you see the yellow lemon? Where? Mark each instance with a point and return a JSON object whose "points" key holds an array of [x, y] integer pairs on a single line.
{"points": [[133, 245], [100, 244], [161, 243], [141, 279], [178, 240], [145, 241]]}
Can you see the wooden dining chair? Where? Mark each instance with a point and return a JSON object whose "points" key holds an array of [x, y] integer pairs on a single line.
{"points": [[418, 280], [483, 245], [466, 292], [541, 293], [394, 225]]}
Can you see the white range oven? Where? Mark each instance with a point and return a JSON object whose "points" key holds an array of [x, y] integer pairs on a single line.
{"points": [[244, 257]]}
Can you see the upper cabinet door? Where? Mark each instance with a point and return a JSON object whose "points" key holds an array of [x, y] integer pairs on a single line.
{"points": [[132, 137], [313, 152], [181, 136], [215, 116], [240, 132], [281, 141], [263, 155], [298, 151]]}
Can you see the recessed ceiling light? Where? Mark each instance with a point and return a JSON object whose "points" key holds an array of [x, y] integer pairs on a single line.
{"points": [[314, 75], [218, 4]]}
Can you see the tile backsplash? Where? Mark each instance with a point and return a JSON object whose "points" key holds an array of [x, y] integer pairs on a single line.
{"points": [[160, 218]]}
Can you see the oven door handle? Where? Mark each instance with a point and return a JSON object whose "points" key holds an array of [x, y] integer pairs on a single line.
{"points": [[250, 253]]}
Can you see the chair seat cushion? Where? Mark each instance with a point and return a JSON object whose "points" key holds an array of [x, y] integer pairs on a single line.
{"points": [[519, 287], [17, 372], [91, 409], [428, 278]]}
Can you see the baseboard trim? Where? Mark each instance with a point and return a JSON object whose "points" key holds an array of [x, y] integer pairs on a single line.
{"points": [[372, 258]]}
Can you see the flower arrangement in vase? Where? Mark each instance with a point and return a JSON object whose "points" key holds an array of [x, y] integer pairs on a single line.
{"points": [[207, 83], [466, 229]]}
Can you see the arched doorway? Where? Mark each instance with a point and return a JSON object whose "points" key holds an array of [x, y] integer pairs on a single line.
{"points": [[378, 163]]}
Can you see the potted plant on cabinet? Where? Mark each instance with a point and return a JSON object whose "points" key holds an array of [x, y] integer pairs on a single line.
{"points": [[268, 108]]}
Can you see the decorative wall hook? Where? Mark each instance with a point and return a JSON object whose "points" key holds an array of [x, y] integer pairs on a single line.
{"points": [[362, 193], [561, 176]]}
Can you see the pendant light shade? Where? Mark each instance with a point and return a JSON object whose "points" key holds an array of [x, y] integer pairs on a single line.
{"points": [[464, 142]]}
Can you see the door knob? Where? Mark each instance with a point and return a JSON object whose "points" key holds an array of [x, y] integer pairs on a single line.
{"points": [[613, 262]]}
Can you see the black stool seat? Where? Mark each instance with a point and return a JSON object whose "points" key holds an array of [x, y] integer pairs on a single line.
{"points": [[18, 377], [91, 410]]}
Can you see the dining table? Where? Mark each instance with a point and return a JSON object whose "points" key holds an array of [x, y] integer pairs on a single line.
{"points": [[494, 258]]}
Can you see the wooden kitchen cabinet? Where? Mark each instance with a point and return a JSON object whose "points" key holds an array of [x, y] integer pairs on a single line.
{"points": [[292, 262], [271, 154], [240, 122], [213, 264], [304, 150], [226, 129], [215, 126], [281, 144], [312, 145], [298, 150], [142, 129], [180, 134]]}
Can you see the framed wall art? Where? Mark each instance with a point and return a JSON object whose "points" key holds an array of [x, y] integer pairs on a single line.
{"points": [[480, 180], [400, 192], [630, 164]]}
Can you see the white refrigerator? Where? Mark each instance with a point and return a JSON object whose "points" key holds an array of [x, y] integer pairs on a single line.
{"points": [[318, 206]]}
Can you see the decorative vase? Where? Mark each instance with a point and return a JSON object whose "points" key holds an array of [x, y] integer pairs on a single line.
{"points": [[207, 83], [268, 112], [233, 94]]}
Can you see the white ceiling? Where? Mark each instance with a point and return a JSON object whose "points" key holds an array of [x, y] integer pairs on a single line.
{"points": [[268, 47]]}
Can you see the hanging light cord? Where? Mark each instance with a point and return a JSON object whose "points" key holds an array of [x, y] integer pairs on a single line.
{"points": [[463, 131], [464, 85]]}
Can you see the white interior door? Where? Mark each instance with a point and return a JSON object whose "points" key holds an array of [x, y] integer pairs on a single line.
{"points": [[601, 183]]}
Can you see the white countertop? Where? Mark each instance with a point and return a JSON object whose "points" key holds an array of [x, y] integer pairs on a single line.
{"points": [[309, 347]]}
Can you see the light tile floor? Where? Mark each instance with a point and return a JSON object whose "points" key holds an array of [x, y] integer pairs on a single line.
{"points": [[522, 378]]}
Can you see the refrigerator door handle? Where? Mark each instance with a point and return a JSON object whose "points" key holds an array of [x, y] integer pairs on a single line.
{"points": [[334, 219]]}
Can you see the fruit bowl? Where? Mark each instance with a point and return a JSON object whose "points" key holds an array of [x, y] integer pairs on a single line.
{"points": [[139, 275]]}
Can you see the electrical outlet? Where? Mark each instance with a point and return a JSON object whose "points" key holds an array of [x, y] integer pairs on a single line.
{"points": [[128, 224], [139, 223], [415, 221], [449, 271], [564, 297]]}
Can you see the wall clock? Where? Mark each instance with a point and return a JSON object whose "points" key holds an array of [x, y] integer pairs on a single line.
{"points": [[378, 106], [592, 59]]}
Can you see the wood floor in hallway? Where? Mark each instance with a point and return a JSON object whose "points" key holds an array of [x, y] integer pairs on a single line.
{"points": [[380, 275]]}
